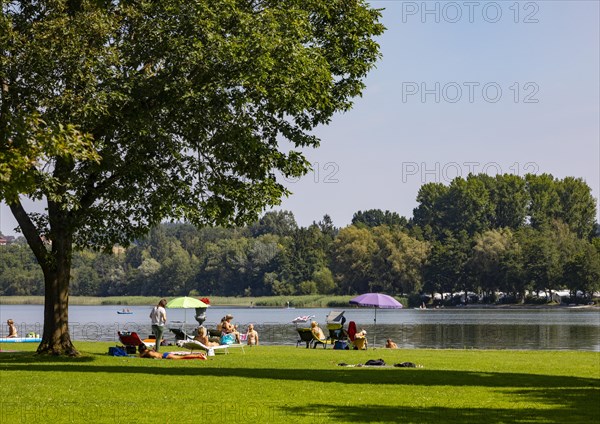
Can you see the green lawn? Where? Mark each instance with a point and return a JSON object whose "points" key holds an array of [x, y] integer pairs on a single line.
{"points": [[295, 385]]}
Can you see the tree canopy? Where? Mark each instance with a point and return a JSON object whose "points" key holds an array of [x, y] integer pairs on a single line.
{"points": [[120, 114]]}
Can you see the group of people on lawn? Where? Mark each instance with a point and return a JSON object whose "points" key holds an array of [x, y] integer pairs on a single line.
{"points": [[360, 338], [229, 334]]}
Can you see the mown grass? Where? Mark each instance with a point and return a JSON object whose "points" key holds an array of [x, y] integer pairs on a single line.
{"points": [[272, 384], [308, 301]]}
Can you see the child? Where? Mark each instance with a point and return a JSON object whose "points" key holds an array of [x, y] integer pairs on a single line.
{"points": [[252, 336], [12, 330]]}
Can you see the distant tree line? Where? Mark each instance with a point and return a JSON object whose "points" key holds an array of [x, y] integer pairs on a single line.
{"points": [[479, 234]]}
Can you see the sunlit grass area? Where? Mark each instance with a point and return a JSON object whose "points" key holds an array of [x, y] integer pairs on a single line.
{"points": [[297, 385]]}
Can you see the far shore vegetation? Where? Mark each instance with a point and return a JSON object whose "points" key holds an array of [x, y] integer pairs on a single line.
{"points": [[308, 301], [515, 250]]}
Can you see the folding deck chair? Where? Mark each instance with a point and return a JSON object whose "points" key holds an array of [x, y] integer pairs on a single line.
{"points": [[359, 343], [131, 340], [306, 336]]}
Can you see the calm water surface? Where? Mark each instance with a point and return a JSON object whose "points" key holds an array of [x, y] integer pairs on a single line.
{"points": [[552, 329]]}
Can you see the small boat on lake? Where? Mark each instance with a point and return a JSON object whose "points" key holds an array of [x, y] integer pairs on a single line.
{"points": [[125, 312]]}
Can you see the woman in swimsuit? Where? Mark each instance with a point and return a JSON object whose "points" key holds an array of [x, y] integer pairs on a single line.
{"points": [[147, 353]]}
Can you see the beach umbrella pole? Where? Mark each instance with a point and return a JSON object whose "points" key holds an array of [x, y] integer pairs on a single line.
{"points": [[375, 329], [377, 300]]}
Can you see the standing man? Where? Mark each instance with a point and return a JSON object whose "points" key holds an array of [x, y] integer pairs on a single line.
{"points": [[159, 319]]}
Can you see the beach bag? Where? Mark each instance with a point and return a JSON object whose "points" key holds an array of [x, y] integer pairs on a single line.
{"points": [[227, 339], [406, 365], [116, 351], [375, 362], [341, 345]]}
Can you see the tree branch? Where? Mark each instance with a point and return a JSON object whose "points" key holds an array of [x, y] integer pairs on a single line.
{"points": [[31, 233], [3, 108]]}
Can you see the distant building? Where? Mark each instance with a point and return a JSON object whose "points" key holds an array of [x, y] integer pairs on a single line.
{"points": [[6, 240]]}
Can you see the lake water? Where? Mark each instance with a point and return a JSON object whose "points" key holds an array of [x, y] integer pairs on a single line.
{"points": [[546, 329]]}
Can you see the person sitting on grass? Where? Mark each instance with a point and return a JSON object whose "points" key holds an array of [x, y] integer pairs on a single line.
{"points": [[12, 329], [252, 336], [389, 344], [147, 353], [202, 337]]}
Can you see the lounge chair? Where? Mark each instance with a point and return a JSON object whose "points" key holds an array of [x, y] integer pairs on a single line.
{"points": [[180, 334], [210, 350], [306, 336], [359, 343], [132, 339], [317, 341], [214, 335]]}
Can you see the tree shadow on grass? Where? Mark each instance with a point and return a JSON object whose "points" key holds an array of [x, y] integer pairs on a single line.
{"points": [[34, 358], [354, 376], [574, 413]]}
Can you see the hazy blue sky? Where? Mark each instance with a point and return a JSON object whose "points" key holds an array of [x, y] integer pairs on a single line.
{"points": [[395, 139], [504, 86]]}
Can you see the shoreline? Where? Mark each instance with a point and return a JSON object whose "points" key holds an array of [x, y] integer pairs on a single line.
{"points": [[528, 306], [275, 302]]}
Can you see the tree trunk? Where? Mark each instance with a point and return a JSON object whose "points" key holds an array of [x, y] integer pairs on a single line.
{"points": [[56, 339], [56, 266]]}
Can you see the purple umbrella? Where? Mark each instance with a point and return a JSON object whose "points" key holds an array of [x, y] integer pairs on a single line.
{"points": [[376, 300]]}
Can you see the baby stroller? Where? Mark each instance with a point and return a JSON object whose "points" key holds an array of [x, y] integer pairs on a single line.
{"points": [[337, 334]]}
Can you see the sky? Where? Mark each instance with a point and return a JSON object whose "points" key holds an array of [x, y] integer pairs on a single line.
{"points": [[462, 87], [466, 86]]}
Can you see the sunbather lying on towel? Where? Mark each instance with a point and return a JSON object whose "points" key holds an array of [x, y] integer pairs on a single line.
{"points": [[147, 353]]}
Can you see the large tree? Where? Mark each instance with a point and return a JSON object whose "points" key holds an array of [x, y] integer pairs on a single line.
{"points": [[119, 114]]}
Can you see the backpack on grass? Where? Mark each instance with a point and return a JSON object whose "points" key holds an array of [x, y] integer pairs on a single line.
{"points": [[117, 351]]}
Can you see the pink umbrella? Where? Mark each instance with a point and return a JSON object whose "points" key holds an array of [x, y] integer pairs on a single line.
{"points": [[376, 300]]}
